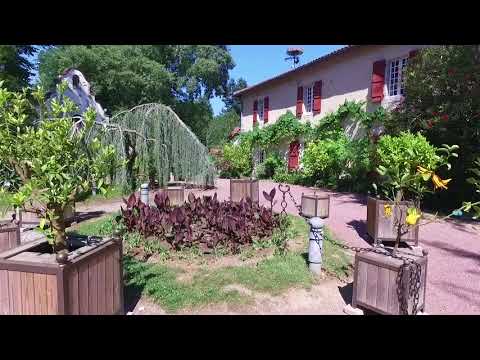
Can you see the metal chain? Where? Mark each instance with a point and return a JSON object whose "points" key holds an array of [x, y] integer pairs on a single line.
{"points": [[414, 268], [285, 189]]}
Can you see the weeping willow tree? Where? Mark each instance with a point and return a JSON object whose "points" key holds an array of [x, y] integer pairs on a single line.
{"points": [[153, 143]]}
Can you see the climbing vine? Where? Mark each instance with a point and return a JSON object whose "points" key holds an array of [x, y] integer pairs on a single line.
{"points": [[286, 128], [154, 143], [352, 110]]}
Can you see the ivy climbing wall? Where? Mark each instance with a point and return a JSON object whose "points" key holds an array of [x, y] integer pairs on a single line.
{"points": [[154, 142]]}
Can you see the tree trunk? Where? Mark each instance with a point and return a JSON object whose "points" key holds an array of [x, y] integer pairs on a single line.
{"points": [[398, 221], [58, 227]]}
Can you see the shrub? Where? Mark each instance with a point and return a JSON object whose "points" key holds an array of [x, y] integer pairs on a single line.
{"points": [[399, 159], [283, 175], [237, 159], [267, 169]]}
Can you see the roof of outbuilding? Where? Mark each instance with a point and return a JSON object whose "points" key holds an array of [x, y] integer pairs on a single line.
{"points": [[288, 73]]}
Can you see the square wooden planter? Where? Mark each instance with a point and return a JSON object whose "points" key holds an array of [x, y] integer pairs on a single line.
{"points": [[381, 228], [9, 236], [32, 282], [243, 188], [375, 285], [176, 195]]}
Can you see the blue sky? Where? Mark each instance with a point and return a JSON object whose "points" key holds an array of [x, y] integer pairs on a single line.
{"points": [[256, 63]]}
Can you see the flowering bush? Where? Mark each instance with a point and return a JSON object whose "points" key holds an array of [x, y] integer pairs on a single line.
{"points": [[408, 165]]}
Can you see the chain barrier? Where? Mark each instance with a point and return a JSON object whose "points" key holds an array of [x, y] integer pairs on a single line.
{"points": [[410, 266]]}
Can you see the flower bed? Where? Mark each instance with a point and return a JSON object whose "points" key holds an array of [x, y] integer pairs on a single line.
{"points": [[203, 222]]}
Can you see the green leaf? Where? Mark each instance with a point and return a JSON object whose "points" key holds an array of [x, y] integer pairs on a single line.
{"points": [[426, 177]]}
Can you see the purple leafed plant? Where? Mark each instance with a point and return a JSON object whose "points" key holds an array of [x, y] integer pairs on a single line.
{"points": [[205, 221]]}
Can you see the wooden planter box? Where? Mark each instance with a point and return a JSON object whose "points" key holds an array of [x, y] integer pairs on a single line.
{"points": [[9, 235], [28, 219], [381, 228], [243, 188], [33, 283], [176, 195], [375, 286]]}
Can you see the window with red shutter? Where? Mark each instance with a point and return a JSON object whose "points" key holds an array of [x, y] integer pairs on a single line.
{"points": [[255, 108], [413, 53], [293, 155], [317, 97], [299, 101], [378, 80], [265, 109]]}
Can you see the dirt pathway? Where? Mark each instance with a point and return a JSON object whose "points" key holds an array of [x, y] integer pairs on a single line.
{"points": [[326, 298]]}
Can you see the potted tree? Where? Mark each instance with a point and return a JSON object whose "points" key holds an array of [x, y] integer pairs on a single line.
{"points": [[391, 281], [401, 185], [56, 157]]}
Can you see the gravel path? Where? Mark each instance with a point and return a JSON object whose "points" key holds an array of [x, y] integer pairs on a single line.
{"points": [[454, 247]]}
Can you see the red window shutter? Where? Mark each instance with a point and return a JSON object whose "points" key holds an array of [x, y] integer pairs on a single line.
{"points": [[299, 101], [378, 80], [413, 53], [317, 97], [293, 155], [255, 110], [265, 110]]}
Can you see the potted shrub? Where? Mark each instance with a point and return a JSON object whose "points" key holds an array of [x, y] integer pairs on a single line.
{"points": [[390, 281], [401, 186], [56, 158]]}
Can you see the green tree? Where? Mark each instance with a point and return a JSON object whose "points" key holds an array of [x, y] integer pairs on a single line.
{"points": [[231, 102], [221, 126], [184, 77], [15, 65], [198, 115], [124, 76], [443, 102], [55, 159]]}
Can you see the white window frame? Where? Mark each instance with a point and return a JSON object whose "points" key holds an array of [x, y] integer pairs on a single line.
{"points": [[306, 103], [396, 67]]}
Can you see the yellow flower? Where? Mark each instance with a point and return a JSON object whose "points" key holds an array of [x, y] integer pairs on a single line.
{"points": [[413, 216], [422, 170], [439, 183], [387, 210]]}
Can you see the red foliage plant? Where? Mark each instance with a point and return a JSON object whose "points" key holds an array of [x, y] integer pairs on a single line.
{"points": [[205, 222]]}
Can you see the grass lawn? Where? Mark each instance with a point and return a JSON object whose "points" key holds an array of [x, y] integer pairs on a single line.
{"points": [[172, 290]]}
